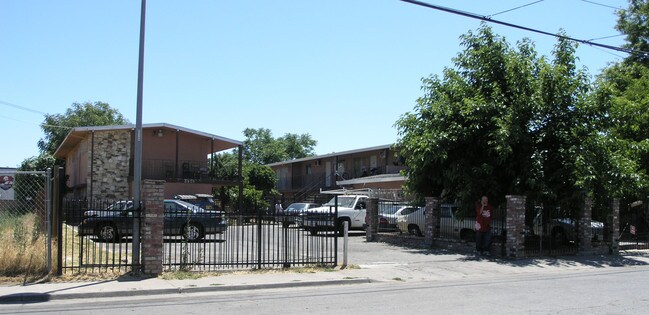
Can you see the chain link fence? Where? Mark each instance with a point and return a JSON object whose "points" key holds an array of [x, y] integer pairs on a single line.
{"points": [[24, 222]]}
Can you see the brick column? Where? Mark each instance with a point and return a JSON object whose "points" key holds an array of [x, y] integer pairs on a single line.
{"points": [[152, 225], [432, 220], [614, 228], [515, 226], [585, 231], [372, 219]]}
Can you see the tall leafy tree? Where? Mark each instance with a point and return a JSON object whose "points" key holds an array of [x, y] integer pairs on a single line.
{"points": [[56, 126], [499, 122], [633, 22], [261, 147]]}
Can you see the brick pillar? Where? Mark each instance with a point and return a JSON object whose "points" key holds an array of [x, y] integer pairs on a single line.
{"points": [[614, 227], [432, 220], [515, 226], [585, 231], [152, 225], [372, 219]]}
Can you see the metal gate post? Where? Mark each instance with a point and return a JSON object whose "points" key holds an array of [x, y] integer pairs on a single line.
{"points": [[335, 233], [345, 243], [259, 238], [60, 176], [48, 217]]}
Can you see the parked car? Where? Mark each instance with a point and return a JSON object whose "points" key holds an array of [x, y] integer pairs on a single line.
{"points": [[388, 215], [204, 201], [454, 225], [180, 218], [351, 208], [291, 214], [563, 230], [411, 220]]}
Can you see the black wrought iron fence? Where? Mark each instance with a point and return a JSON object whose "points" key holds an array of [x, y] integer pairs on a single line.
{"points": [[264, 237], [96, 236], [551, 230], [634, 226]]}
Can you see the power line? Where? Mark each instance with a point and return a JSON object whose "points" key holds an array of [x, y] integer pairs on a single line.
{"points": [[487, 19], [22, 107], [41, 125], [605, 37], [516, 8], [601, 4]]}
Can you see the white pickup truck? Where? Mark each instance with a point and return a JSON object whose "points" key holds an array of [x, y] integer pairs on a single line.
{"points": [[351, 208]]}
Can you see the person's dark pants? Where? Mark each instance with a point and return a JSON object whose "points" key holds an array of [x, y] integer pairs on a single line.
{"points": [[482, 241]]}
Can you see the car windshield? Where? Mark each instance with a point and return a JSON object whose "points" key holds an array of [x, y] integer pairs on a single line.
{"points": [[408, 211], [343, 201], [296, 206]]}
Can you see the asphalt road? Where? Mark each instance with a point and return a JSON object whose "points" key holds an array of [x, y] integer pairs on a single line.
{"points": [[605, 291]]}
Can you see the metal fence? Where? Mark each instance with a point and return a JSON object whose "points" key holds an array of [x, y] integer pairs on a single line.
{"points": [[634, 226], [96, 236], [263, 237], [455, 225], [24, 220]]}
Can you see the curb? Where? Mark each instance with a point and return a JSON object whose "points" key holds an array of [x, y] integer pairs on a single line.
{"points": [[30, 297]]}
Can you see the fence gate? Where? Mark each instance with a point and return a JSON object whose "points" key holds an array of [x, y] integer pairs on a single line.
{"points": [[634, 225], [266, 235], [25, 221]]}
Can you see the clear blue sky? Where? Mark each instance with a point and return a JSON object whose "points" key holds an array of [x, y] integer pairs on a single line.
{"points": [[341, 70]]}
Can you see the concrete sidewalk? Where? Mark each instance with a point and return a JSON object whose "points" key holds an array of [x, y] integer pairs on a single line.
{"points": [[371, 263]]}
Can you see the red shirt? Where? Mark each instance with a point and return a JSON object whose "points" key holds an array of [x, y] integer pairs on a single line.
{"points": [[483, 217]]}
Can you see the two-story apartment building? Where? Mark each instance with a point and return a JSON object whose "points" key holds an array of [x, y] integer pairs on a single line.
{"points": [[99, 159], [375, 167]]}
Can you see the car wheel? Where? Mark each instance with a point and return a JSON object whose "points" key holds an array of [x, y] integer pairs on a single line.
{"points": [[414, 230], [559, 236], [313, 231], [467, 235], [192, 232], [107, 232]]}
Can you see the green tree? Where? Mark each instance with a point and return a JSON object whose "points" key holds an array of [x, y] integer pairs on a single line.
{"points": [[633, 22], [488, 126], [261, 147], [56, 126]]}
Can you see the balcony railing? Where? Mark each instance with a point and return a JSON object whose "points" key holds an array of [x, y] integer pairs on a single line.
{"points": [[184, 171]]}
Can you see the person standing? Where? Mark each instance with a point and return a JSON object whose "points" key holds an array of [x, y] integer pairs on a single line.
{"points": [[483, 216]]}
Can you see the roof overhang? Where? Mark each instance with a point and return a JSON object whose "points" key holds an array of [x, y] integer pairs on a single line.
{"points": [[77, 134], [383, 178], [316, 157]]}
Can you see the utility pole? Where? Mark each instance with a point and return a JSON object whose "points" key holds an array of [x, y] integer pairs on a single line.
{"points": [[137, 160]]}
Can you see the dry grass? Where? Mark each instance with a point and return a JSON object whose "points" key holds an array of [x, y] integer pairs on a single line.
{"points": [[23, 247]]}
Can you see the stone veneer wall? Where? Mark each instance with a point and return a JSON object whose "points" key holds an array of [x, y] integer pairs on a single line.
{"points": [[111, 153]]}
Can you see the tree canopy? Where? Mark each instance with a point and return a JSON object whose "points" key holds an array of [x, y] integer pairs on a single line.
{"points": [[501, 121], [262, 148], [56, 126]]}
